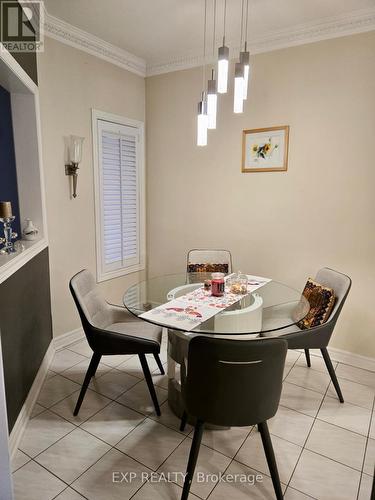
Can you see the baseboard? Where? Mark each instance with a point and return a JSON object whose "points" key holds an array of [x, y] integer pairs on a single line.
{"points": [[68, 338], [352, 359], [24, 415], [347, 358]]}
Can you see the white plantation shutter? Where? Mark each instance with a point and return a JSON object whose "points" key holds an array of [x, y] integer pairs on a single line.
{"points": [[119, 194]]}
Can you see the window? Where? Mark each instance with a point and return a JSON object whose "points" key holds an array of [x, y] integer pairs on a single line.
{"points": [[119, 195]]}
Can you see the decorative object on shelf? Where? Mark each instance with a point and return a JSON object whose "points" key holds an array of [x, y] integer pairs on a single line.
{"points": [[265, 149], [75, 157], [30, 232], [6, 218], [19, 246]]}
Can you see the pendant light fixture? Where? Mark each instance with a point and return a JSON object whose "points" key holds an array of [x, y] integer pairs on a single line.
{"points": [[211, 86], [202, 119], [223, 62], [245, 55], [239, 76]]}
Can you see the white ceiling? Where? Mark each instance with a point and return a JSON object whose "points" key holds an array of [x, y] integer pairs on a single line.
{"points": [[161, 31]]}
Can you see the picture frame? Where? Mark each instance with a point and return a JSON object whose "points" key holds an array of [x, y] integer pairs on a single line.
{"points": [[265, 149]]}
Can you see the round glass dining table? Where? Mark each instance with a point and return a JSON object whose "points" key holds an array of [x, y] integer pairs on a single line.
{"points": [[274, 308]]}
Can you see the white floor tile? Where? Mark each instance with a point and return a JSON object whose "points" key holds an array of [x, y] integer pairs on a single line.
{"points": [[317, 362], [37, 409], [310, 379], [77, 372], [138, 398], [292, 356], [300, 399], [97, 483], [69, 494], [19, 460], [160, 380], [65, 359], [113, 383], [132, 365], [290, 425], [209, 462], [150, 435], [72, 455], [357, 394], [82, 347], [286, 453], [113, 423], [358, 375], [92, 403], [255, 487], [351, 417], [292, 494], [227, 441], [55, 389], [33, 482], [325, 479], [339, 444], [161, 491], [169, 419], [114, 360], [372, 427], [365, 488], [43, 431], [369, 465]]}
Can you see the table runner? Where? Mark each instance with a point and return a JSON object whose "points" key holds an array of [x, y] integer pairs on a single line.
{"points": [[190, 310]]}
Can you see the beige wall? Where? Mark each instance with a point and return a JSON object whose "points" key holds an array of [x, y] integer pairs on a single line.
{"points": [[71, 83], [284, 225]]}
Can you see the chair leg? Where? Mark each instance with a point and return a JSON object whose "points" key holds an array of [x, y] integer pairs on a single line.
{"points": [[90, 373], [193, 456], [332, 373], [307, 354], [270, 456], [150, 384], [183, 421], [157, 359]]}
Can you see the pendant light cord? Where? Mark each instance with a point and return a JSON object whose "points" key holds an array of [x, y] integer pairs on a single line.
{"points": [[214, 31], [242, 7], [225, 18], [247, 17], [204, 44]]}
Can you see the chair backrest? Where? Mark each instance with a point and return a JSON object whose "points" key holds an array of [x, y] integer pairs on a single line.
{"points": [[92, 308], [340, 283], [232, 382], [204, 256]]}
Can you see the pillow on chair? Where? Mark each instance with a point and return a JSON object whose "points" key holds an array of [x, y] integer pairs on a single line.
{"points": [[208, 268], [321, 300]]}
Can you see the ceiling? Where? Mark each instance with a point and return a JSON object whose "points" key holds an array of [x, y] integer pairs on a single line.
{"points": [[161, 31]]}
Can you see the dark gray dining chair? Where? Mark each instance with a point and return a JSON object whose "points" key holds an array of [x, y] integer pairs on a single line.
{"points": [[111, 330], [318, 337], [232, 383]]}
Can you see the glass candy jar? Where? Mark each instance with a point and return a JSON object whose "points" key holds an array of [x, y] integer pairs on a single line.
{"points": [[238, 284]]}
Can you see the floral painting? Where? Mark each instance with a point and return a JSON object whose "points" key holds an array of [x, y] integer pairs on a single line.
{"points": [[265, 149]]}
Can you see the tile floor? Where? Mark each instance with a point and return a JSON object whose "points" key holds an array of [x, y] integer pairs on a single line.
{"points": [[325, 450]]}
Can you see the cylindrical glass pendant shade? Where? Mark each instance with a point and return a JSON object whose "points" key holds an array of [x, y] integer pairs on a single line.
{"points": [[238, 88], [222, 70], [211, 103], [245, 60], [202, 124]]}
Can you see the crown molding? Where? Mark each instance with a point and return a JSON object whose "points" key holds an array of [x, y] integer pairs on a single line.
{"points": [[331, 27], [352, 23], [79, 39]]}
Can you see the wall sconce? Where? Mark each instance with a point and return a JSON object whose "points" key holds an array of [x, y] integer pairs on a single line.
{"points": [[75, 157]]}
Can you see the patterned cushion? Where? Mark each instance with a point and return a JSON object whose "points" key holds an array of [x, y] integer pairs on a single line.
{"points": [[321, 300], [208, 268]]}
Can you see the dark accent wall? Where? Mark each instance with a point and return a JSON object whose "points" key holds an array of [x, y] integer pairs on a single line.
{"points": [[8, 172], [26, 329]]}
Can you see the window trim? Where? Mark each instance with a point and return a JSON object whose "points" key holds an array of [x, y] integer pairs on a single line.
{"points": [[139, 125]]}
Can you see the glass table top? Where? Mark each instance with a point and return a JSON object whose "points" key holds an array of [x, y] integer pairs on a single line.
{"points": [[272, 307]]}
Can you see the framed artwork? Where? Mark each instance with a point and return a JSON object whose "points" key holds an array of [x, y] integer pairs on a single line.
{"points": [[265, 149]]}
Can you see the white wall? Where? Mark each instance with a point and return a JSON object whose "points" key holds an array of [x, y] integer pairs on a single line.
{"points": [[284, 225], [72, 82]]}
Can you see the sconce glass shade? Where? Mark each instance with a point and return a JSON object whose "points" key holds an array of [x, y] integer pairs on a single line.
{"points": [[75, 149], [222, 69], [239, 82]]}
